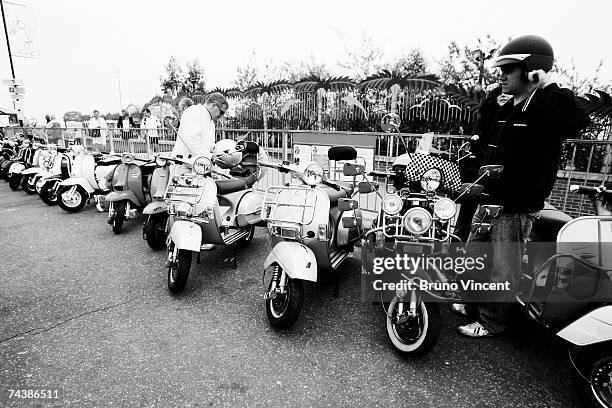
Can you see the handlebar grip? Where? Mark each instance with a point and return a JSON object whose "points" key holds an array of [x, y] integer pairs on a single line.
{"points": [[586, 190], [378, 173]]}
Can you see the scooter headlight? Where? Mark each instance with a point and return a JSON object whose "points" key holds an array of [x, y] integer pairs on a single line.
{"points": [[127, 158], [313, 174], [417, 221], [430, 180], [392, 204], [160, 161], [445, 208], [202, 165]]}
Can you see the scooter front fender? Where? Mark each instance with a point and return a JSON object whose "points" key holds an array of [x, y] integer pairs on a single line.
{"points": [[593, 328], [16, 168], [122, 195], [31, 170], [296, 259], [185, 235], [78, 181], [156, 207]]}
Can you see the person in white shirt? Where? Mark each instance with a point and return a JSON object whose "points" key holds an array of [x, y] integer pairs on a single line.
{"points": [[97, 131], [150, 122], [196, 133]]}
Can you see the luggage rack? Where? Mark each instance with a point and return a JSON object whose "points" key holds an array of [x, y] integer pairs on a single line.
{"points": [[272, 205], [181, 191]]}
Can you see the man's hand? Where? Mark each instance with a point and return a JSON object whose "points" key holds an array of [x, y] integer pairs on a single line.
{"points": [[539, 78]]}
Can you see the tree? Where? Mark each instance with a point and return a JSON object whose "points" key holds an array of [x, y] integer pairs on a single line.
{"points": [[466, 66], [173, 80], [410, 64], [363, 62], [580, 84], [194, 81]]}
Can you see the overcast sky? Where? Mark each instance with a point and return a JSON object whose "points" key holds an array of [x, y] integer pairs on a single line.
{"points": [[83, 43]]}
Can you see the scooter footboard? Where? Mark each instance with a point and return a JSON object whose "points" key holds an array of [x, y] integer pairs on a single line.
{"points": [[185, 235], [296, 259]]}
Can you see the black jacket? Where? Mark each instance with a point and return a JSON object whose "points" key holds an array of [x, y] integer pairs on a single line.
{"points": [[527, 138], [120, 122]]}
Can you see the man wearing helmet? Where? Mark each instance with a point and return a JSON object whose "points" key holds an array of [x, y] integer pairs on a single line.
{"points": [[196, 133], [525, 136]]}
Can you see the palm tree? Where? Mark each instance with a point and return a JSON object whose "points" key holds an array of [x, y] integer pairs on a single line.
{"points": [[315, 83], [265, 90], [396, 81]]}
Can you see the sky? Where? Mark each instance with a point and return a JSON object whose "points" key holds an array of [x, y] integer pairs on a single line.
{"points": [[89, 50]]}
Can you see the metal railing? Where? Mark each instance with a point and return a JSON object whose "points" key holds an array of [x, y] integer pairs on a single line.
{"points": [[581, 162]]}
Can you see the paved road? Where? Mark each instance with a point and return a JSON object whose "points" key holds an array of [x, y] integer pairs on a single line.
{"points": [[88, 313]]}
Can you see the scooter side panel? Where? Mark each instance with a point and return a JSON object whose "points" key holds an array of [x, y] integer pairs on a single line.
{"points": [[249, 208], [78, 181], [592, 328], [16, 168], [296, 259], [32, 170], [185, 235], [156, 207]]}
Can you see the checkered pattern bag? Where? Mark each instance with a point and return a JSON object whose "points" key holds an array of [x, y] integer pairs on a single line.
{"points": [[420, 163]]}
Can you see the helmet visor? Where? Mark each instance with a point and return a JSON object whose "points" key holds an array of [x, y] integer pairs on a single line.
{"points": [[509, 59]]}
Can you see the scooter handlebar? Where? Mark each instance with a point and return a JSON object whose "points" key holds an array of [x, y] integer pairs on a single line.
{"points": [[589, 190]]}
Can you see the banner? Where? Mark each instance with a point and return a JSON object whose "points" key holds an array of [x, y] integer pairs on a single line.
{"points": [[21, 27]]}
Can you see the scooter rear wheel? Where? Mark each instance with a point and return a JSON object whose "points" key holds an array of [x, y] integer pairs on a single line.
{"points": [[178, 272], [117, 223], [414, 336], [596, 365], [75, 203], [15, 181], [48, 193]]}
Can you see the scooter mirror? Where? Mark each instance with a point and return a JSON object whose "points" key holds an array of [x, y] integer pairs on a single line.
{"points": [[346, 204], [390, 123], [473, 190], [353, 169], [365, 187], [492, 170]]}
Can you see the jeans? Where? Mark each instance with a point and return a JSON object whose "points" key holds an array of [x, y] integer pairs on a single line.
{"points": [[509, 233]]}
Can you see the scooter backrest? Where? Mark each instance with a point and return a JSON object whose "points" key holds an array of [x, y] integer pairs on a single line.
{"points": [[65, 166], [342, 153]]}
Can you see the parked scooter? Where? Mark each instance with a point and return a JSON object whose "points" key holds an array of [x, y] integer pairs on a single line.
{"points": [[47, 183], [24, 160], [570, 292], [204, 210], [88, 178], [155, 228], [17, 155], [43, 163], [314, 224], [130, 183]]}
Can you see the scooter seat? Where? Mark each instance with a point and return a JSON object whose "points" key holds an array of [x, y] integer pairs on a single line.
{"points": [[551, 221], [231, 186], [107, 160], [334, 195]]}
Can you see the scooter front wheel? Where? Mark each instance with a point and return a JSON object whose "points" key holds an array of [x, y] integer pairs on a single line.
{"points": [[178, 272], [413, 336], [283, 310], [155, 231], [592, 377], [28, 185], [15, 181], [48, 193], [117, 221], [73, 203]]}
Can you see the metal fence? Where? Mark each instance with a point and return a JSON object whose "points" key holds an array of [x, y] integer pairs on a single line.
{"points": [[581, 162]]}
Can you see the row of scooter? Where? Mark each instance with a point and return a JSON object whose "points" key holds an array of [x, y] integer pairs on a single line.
{"points": [[194, 203]]}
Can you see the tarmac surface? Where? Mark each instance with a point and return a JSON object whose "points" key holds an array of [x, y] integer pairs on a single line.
{"points": [[88, 313]]}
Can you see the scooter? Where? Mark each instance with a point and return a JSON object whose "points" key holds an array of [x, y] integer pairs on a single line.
{"points": [[314, 224], [17, 156], [47, 182], [570, 293], [130, 182], [204, 210], [155, 228], [88, 178], [43, 163], [24, 160]]}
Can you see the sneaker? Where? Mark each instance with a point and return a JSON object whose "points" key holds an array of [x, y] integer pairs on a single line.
{"points": [[474, 330], [459, 308], [207, 247]]}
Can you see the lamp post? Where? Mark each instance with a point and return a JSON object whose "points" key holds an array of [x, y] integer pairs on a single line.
{"points": [[480, 58]]}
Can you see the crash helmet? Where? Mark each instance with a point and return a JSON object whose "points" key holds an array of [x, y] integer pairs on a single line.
{"points": [[225, 155], [533, 51]]}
